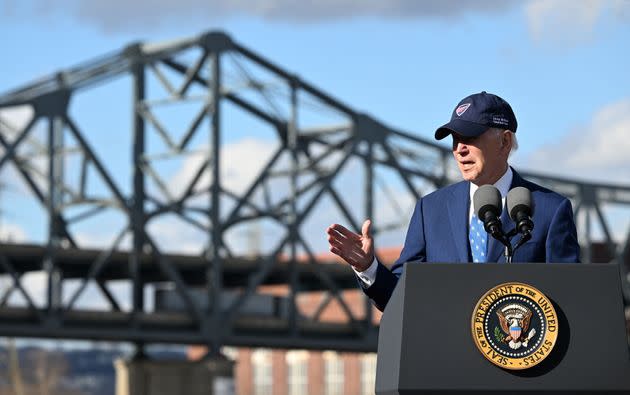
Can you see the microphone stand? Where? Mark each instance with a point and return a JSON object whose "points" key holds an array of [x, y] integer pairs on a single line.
{"points": [[509, 250], [494, 227], [507, 241]]}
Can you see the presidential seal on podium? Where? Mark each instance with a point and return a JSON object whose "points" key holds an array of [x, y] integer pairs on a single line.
{"points": [[514, 326]]}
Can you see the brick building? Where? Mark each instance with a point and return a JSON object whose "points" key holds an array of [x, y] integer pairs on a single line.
{"points": [[293, 372]]}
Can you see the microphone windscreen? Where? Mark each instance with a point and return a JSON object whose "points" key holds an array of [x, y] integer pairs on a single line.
{"points": [[487, 198], [519, 199]]}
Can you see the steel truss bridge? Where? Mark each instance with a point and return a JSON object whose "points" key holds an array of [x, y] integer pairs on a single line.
{"points": [[166, 207]]}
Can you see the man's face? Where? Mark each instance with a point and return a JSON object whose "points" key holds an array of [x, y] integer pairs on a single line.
{"points": [[483, 159]]}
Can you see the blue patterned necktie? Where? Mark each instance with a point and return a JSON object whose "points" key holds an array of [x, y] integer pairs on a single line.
{"points": [[478, 238]]}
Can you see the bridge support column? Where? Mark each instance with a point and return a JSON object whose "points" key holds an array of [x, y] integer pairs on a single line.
{"points": [[211, 376]]}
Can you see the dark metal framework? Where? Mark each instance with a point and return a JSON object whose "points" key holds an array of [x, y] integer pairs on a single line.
{"points": [[309, 164]]}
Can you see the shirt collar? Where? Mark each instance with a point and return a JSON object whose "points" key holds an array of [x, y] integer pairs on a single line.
{"points": [[503, 185]]}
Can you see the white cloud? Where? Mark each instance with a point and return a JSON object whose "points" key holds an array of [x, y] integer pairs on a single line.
{"points": [[15, 118], [240, 163], [34, 284], [569, 22], [172, 235], [12, 233], [115, 15], [597, 151], [243, 161]]}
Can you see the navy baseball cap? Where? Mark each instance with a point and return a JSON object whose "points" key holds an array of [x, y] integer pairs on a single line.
{"points": [[476, 113]]}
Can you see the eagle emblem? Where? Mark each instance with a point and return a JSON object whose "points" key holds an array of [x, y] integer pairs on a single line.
{"points": [[514, 326], [514, 319]]}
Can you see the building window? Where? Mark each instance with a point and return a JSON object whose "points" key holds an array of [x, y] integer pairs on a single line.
{"points": [[368, 373], [297, 363], [333, 373], [263, 372]]}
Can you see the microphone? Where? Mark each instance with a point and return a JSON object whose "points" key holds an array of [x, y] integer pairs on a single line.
{"points": [[519, 205], [488, 207]]}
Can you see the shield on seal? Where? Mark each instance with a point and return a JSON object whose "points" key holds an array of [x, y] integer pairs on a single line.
{"points": [[515, 332]]}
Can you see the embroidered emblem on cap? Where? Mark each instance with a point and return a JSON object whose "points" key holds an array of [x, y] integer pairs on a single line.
{"points": [[462, 109]]}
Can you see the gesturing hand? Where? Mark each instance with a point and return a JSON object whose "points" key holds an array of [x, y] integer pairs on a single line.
{"points": [[357, 250]]}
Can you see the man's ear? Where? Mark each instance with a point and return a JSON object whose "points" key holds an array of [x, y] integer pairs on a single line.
{"points": [[506, 139]]}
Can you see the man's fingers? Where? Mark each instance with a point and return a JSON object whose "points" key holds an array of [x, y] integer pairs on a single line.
{"points": [[343, 231], [339, 242], [342, 255], [357, 252], [337, 238], [336, 243], [365, 229], [347, 247]]}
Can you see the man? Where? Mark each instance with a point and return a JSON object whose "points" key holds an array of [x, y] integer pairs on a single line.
{"points": [[444, 227]]}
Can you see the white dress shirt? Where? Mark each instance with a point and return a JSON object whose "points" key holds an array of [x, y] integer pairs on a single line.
{"points": [[368, 276]]}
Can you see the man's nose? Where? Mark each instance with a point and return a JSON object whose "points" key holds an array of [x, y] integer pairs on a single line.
{"points": [[461, 148]]}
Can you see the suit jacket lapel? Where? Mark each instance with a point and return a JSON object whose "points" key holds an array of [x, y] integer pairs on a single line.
{"points": [[517, 180], [458, 217]]}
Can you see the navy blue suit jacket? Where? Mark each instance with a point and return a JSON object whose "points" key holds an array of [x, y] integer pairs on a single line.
{"points": [[438, 232]]}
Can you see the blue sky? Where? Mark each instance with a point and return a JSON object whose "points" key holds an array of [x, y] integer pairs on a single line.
{"points": [[561, 64], [557, 63]]}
